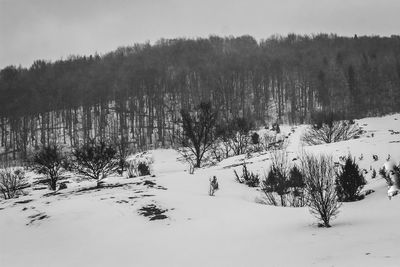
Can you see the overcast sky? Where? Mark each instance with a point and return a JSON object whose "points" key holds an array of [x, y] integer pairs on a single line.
{"points": [[54, 29]]}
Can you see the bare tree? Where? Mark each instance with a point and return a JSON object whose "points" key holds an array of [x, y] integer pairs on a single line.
{"points": [[122, 146], [321, 194], [95, 160], [327, 127], [330, 133], [239, 129], [198, 130]]}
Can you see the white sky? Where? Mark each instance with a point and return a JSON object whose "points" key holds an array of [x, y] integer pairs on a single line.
{"points": [[54, 29]]}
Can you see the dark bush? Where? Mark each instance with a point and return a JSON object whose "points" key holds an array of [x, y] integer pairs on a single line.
{"points": [[50, 162], [255, 138], [95, 160], [385, 175], [349, 181], [276, 182], [143, 169], [297, 185]]}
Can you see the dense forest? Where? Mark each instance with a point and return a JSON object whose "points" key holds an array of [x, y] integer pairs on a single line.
{"points": [[136, 93]]}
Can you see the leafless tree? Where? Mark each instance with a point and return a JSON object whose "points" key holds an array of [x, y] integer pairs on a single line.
{"points": [[322, 198], [50, 162], [198, 130], [330, 133], [95, 160]]}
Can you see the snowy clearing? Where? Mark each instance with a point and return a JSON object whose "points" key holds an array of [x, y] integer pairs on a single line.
{"points": [[84, 226]]}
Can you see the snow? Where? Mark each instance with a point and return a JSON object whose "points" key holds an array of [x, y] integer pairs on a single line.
{"points": [[104, 227]]}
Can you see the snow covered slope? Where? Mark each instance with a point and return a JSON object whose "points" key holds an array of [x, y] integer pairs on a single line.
{"points": [[104, 227]]}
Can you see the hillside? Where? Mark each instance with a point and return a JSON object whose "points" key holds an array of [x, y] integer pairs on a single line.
{"points": [[136, 92], [81, 226]]}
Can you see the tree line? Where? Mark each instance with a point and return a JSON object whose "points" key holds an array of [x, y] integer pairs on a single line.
{"points": [[136, 93]]}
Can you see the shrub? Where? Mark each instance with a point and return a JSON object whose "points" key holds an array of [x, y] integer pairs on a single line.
{"points": [[143, 169], [12, 183], [50, 162], [235, 134], [385, 175], [349, 181], [255, 138], [248, 178], [271, 142], [320, 187], [122, 146], [373, 175], [277, 180], [95, 160], [276, 128], [328, 128], [296, 184]]}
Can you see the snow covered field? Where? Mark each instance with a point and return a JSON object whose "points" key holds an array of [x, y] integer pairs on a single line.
{"points": [[105, 227]]}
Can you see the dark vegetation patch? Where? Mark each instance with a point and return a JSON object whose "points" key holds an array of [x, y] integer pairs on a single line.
{"points": [[39, 188], [52, 194], [149, 183], [23, 201], [37, 217], [161, 187], [153, 212], [237, 164]]}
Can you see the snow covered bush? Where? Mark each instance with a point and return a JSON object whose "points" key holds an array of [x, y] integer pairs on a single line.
{"points": [[272, 141], [11, 182], [322, 198], [248, 178], [349, 181], [139, 164], [95, 160], [50, 162], [385, 175]]}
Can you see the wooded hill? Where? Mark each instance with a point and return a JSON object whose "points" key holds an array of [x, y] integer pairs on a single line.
{"points": [[135, 93]]}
